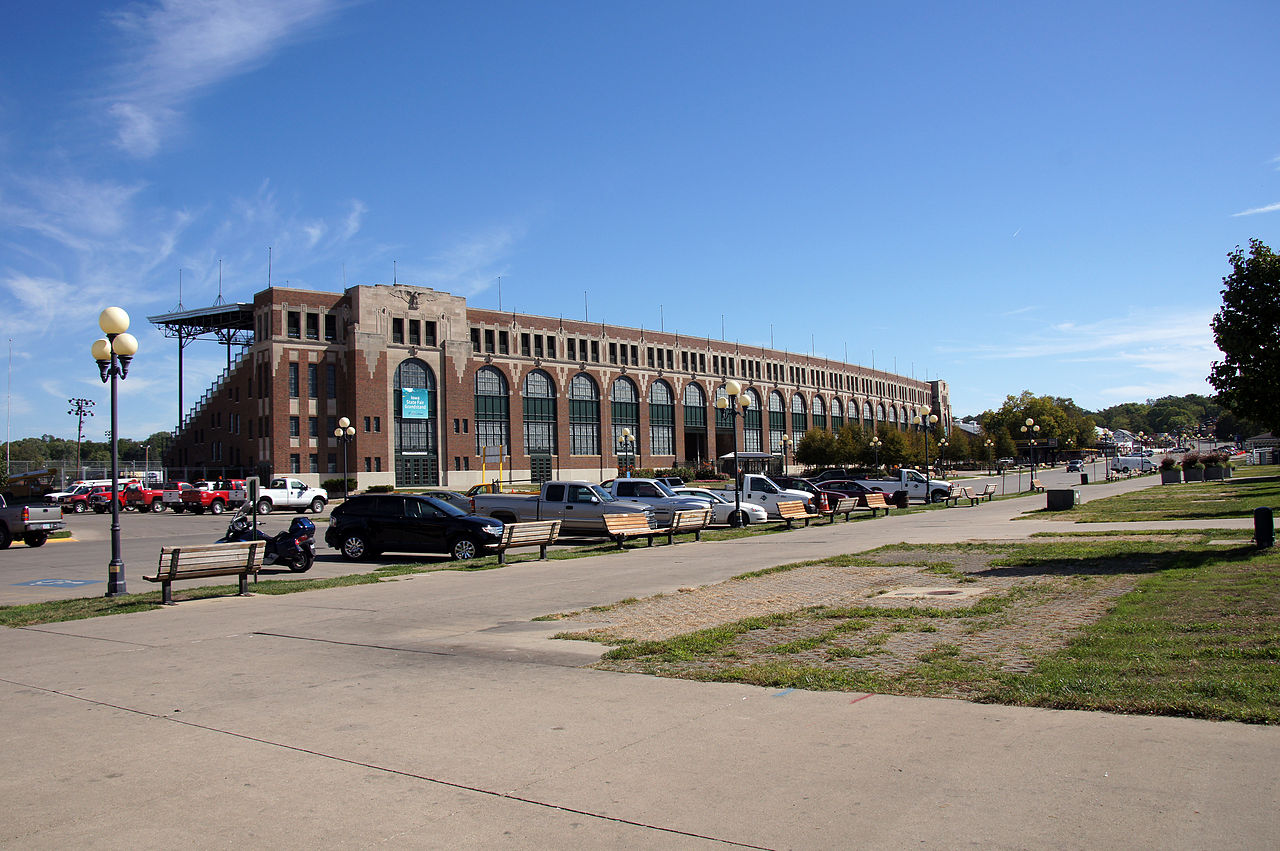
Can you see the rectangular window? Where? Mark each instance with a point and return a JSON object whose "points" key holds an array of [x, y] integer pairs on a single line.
{"points": [[295, 463], [702, 363], [415, 332], [367, 421], [313, 426], [503, 343], [293, 427], [595, 352], [684, 361], [397, 330], [377, 424], [330, 327], [613, 353], [368, 464], [293, 380], [429, 333], [331, 380], [524, 345], [377, 464], [313, 380], [648, 353], [313, 326], [330, 424], [551, 347], [333, 462], [314, 462], [295, 324], [475, 339], [537, 345], [488, 340], [635, 356], [571, 349]]}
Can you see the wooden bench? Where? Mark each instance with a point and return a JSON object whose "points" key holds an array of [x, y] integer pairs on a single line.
{"points": [[240, 558], [794, 510], [846, 505], [1037, 485], [875, 501], [988, 492], [534, 533], [690, 520], [967, 493], [620, 527], [955, 494]]}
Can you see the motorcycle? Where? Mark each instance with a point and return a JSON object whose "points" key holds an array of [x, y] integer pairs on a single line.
{"points": [[294, 548]]}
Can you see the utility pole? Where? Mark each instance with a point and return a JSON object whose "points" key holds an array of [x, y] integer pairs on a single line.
{"points": [[80, 409]]}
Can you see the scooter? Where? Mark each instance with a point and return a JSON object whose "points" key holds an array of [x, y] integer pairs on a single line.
{"points": [[294, 548]]}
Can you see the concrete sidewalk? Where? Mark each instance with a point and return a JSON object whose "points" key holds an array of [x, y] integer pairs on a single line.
{"points": [[433, 712]]}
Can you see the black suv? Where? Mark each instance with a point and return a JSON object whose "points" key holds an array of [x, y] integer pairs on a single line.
{"points": [[367, 525]]}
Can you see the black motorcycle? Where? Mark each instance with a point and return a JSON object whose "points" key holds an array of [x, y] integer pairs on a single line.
{"points": [[295, 548]]}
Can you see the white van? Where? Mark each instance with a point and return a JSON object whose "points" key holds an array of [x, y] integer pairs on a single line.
{"points": [[1132, 464]]}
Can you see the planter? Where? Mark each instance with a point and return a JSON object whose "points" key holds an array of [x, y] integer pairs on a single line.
{"points": [[1212, 474], [1170, 477], [1193, 474]]}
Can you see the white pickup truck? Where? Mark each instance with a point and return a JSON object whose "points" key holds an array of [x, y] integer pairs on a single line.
{"points": [[767, 493], [579, 506], [291, 494]]}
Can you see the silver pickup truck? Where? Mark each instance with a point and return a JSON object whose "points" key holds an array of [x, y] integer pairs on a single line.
{"points": [[579, 506], [30, 523]]}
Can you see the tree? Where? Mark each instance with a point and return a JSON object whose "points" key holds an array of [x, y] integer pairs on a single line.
{"points": [[1247, 331], [817, 448]]}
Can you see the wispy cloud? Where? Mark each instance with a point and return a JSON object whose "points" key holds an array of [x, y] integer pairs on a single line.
{"points": [[179, 48], [1270, 208]]}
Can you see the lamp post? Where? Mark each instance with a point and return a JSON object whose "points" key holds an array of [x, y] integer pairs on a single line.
{"points": [[924, 420], [113, 354], [627, 445], [990, 447], [80, 408], [785, 443], [875, 443], [1030, 429], [942, 456], [735, 402], [345, 433]]}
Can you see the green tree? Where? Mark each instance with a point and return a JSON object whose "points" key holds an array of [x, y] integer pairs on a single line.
{"points": [[816, 449], [1247, 331]]}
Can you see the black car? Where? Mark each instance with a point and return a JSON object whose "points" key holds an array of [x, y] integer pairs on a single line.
{"points": [[366, 525]]}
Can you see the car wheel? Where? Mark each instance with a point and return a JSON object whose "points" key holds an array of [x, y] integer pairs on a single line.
{"points": [[5, 538], [937, 496], [355, 547], [80, 508], [317, 505], [35, 539], [99, 509], [217, 506], [264, 506], [303, 564], [464, 548], [156, 506], [738, 519]]}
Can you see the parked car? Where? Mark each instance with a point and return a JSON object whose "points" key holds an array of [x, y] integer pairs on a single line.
{"points": [[30, 523], [1075, 466], [723, 509], [655, 494], [172, 495], [457, 500], [579, 505], [823, 497], [369, 524]]}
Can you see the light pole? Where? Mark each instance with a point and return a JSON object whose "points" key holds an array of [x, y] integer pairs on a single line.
{"points": [[942, 456], [80, 408], [990, 447], [1030, 429], [924, 420], [627, 445], [736, 403], [345, 433], [875, 443], [113, 354], [785, 443]]}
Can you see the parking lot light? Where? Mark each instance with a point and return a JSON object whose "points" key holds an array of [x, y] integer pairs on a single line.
{"points": [[736, 404], [113, 355], [345, 433]]}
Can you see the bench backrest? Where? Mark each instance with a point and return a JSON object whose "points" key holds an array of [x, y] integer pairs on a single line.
{"points": [[691, 518], [990, 488], [876, 500], [845, 503], [792, 508], [956, 490], [1036, 483], [967, 493], [238, 554], [530, 532], [626, 522]]}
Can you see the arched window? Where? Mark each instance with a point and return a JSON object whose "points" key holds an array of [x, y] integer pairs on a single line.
{"points": [[625, 408], [493, 414], [777, 421], [539, 413], [416, 461], [752, 433], [879, 413], [868, 416], [662, 419], [695, 407], [893, 416], [799, 422], [837, 415], [584, 416], [819, 414], [724, 416]]}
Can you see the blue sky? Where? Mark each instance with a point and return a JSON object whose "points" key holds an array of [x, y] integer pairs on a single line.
{"points": [[1008, 196]]}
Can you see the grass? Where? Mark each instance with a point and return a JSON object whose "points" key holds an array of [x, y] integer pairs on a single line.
{"points": [[1198, 635], [1219, 500]]}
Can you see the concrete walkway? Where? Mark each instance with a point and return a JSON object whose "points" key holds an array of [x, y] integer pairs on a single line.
{"points": [[433, 712]]}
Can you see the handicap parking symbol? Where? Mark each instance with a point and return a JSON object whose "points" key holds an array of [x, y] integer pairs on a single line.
{"points": [[61, 583]]}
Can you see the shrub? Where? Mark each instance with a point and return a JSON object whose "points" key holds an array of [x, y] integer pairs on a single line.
{"points": [[380, 489], [1191, 461], [1167, 463], [334, 486]]}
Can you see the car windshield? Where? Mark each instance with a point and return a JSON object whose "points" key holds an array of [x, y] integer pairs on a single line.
{"points": [[665, 488], [451, 510], [604, 495], [712, 495]]}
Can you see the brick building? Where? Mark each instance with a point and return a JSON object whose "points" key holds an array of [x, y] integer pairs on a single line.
{"points": [[555, 394]]}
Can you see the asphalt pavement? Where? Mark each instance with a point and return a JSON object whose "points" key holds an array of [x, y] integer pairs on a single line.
{"points": [[433, 711]]}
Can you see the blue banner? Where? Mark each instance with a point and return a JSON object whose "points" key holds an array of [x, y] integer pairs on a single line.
{"points": [[415, 404]]}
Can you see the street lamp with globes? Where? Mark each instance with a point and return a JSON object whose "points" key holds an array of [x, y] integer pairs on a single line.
{"points": [[925, 419], [345, 433], [875, 443], [114, 354], [784, 443], [626, 449], [736, 403], [1030, 429]]}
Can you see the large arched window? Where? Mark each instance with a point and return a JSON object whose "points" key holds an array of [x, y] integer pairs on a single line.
{"points": [[880, 415], [624, 404], [662, 419], [819, 414], [868, 416], [777, 421], [752, 432], [799, 422], [493, 413], [893, 416], [695, 407], [837, 415], [539, 413], [584, 416], [416, 461]]}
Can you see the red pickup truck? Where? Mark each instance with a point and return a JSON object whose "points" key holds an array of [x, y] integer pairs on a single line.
{"points": [[149, 496], [215, 497], [100, 500]]}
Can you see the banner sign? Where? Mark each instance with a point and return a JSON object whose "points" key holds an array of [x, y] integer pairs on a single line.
{"points": [[414, 404]]}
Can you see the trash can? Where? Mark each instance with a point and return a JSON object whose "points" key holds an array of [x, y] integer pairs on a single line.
{"points": [[901, 499], [1062, 500], [1084, 478], [1264, 527]]}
